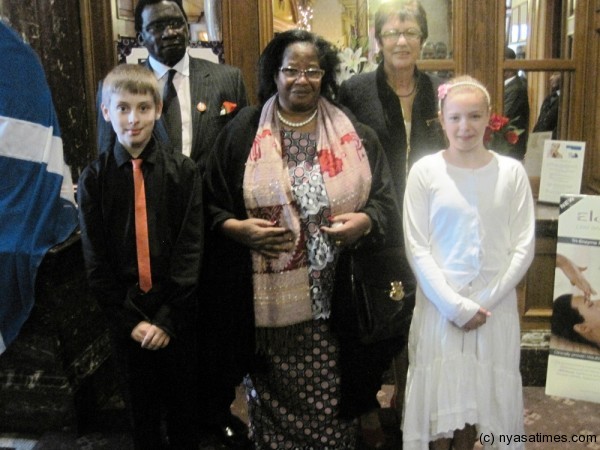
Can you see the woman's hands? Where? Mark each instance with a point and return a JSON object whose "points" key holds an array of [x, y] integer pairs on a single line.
{"points": [[271, 240], [348, 228], [477, 320], [260, 235]]}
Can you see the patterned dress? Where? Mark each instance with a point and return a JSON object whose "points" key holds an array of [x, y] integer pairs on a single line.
{"points": [[294, 402]]}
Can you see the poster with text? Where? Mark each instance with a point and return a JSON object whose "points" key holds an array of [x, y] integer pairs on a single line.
{"points": [[574, 357], [562, 169], [535, 151]]}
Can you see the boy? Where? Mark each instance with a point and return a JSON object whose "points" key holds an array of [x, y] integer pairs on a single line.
{"points": [[143, 271]]}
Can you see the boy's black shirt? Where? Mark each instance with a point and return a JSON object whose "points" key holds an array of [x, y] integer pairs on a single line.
{"points": [[175, 226]]}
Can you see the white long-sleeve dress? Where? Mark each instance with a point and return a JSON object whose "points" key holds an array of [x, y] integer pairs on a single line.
{"points": [[469, 239]]}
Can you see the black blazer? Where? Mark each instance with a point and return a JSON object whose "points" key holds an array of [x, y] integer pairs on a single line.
{"points": [[375, 104], [516, 106], [211, 84], [548, 118]]}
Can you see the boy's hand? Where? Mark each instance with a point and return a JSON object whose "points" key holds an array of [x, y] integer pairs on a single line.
{"points": [[150, 336]]}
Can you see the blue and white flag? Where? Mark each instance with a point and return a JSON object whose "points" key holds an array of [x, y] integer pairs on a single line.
{"points": [[37, 205]]}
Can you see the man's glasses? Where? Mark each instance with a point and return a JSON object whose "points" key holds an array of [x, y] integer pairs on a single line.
{"points": [[311, 74], [393, 35], [161, 26]]}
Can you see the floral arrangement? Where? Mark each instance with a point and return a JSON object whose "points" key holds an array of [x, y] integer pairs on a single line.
{"points": [[501, 132], [353, 61]]}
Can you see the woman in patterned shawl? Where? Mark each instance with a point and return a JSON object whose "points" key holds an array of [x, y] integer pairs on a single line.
{"points": [[290, 185]]}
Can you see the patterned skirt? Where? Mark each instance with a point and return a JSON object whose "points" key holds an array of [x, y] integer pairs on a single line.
{"points": [[294, 403]]}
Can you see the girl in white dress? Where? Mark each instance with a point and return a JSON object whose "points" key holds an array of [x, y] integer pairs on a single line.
{"points": [[469, 230]]}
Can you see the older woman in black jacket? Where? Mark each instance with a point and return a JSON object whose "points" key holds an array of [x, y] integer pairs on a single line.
{"points": [[400, 103]]}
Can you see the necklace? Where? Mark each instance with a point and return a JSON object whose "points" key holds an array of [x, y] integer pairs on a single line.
{"points": [[410, 93], [296, 124]]}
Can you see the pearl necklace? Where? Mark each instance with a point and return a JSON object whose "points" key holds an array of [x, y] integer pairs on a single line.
{"points": [[297, 124]]}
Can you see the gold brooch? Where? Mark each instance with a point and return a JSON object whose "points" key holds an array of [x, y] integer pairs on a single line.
{"points": [[397, 290]]}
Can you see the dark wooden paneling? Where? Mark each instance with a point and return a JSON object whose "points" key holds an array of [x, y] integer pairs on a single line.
{"points": [[100, 57], [241, 39], [592, 105], [483, 46]]}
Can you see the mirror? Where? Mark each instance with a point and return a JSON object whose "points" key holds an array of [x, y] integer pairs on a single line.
{"points": [[540, 32], [549, 111], [535, 32], [550, 94]]}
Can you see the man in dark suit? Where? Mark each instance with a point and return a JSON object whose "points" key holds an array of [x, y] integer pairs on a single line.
{"points": [[203, 87], [204, 97], [516, 106], [548, 118]]}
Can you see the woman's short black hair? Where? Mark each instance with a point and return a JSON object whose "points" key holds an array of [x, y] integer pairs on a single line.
{"points": [[272, 57], [403, 9], [141, 4], [564, 318]]}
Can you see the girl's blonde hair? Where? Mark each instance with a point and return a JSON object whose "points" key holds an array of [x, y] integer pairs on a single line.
{"points": [[463, 82]]}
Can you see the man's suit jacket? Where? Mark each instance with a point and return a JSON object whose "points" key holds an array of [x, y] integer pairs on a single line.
{"points": [[211, 84], [516, 106], [548, 118]]}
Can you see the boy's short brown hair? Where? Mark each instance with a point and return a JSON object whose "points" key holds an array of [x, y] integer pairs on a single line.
{"points": [[132, 78]]}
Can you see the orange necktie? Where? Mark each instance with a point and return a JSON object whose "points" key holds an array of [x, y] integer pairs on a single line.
{"points": [[141, 227]]}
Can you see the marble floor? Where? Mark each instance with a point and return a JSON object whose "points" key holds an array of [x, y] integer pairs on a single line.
{"points": [[544, 415]]}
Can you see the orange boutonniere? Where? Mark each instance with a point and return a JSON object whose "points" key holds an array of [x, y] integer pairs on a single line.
{"points": [[228, 107]]}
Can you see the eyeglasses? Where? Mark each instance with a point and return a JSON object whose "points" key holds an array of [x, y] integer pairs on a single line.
{"points": [[311, 74], [161, 26], [393, 35]]}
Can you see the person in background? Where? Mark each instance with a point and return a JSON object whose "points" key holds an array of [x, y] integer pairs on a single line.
{"points": [[441, 50], [469, 226], [141, 218], [290, 185], [548, 117], [516, 106], [428, 51], [399, 102]]}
